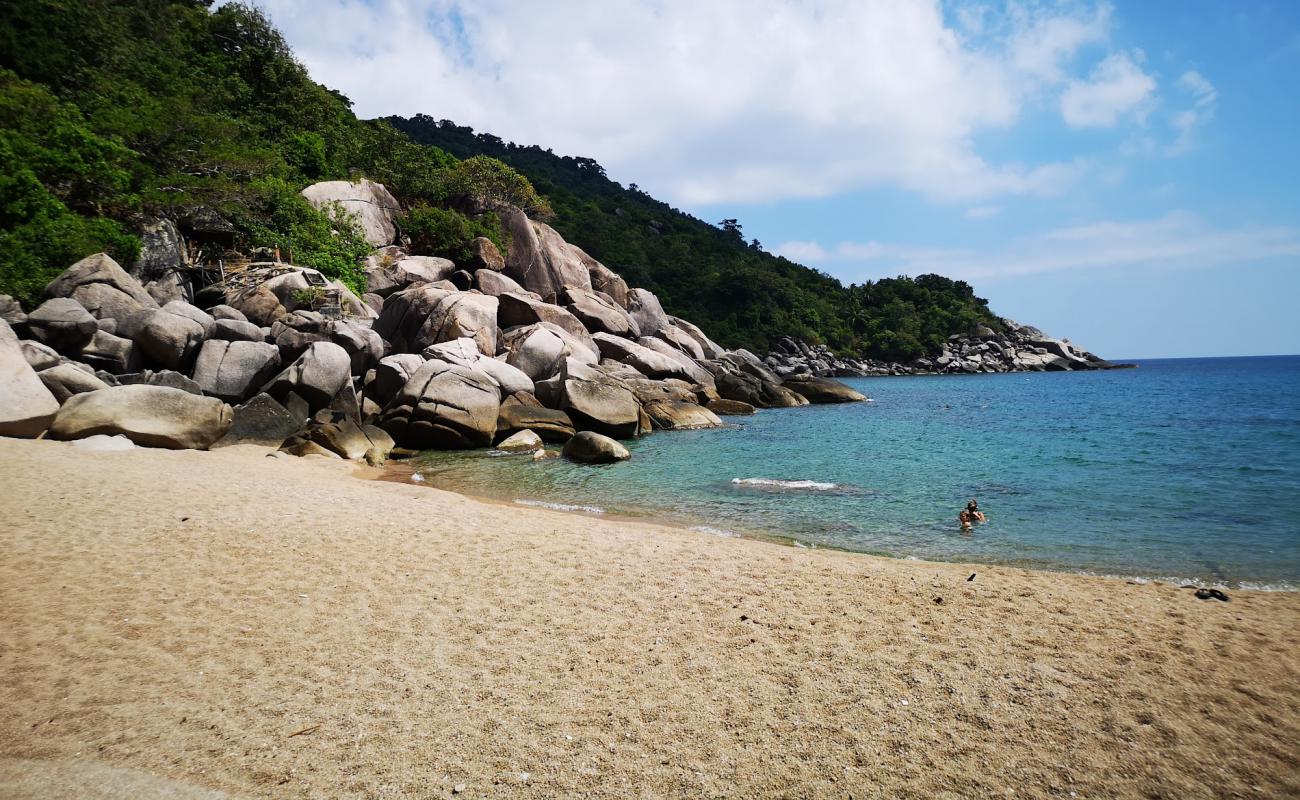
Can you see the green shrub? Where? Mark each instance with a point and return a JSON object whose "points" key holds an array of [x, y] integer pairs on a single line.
{"points": [[442, 232], [330, 242], [493, 183]]}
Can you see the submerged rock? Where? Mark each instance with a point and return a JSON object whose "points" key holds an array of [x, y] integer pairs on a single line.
{"points": [[823, 390], [589, 447], [524, 441]]}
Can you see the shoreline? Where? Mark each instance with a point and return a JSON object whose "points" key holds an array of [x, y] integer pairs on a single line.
{"points": [[398, 471], [203, 624]]}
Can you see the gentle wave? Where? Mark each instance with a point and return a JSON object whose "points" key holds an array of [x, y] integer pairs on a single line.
{"points": [[1209, 583], [560, 506], [714, 531], [815, 486]]}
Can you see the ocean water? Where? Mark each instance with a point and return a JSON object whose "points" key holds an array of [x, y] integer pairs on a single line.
{"points": [[1184, 469]]}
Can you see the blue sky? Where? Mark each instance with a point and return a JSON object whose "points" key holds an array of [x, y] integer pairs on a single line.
{"points": [[1123, 174]]}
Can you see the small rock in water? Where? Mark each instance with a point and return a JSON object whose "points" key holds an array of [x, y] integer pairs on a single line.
{"points": [[523, 442]]}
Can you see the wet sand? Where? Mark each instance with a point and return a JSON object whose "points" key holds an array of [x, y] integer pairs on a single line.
{"points": [[199, 625]]}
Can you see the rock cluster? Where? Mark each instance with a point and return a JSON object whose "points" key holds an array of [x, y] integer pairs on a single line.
{"points": [[1018, 348], [540, 344]]}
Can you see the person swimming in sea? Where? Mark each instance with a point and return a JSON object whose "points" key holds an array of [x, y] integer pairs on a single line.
{"points": [[969, 515]]}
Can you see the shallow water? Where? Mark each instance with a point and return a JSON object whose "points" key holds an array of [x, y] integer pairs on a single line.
{"points": [[1181, 469]]}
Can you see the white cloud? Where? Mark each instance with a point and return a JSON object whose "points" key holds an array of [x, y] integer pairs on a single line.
{"points": [[982, 212], [1178, 240], [1116, 87], [1204, 97], [728, 100]]}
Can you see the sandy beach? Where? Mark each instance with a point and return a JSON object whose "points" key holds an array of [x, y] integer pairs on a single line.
{"points": [[201, 625]]}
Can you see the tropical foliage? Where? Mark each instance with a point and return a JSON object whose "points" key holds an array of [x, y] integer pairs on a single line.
{"points": [[115, 112]]}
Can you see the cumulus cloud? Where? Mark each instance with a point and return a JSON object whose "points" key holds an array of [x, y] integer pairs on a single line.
{"points": [[1178, 240], [729, 100], [1116, 87]]}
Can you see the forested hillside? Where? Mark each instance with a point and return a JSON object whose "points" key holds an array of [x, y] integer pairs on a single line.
{"points": [[112, 113], [710, 273]]}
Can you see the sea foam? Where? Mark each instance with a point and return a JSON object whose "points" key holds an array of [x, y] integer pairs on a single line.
{"points": [[560, 506], [814, 486]]}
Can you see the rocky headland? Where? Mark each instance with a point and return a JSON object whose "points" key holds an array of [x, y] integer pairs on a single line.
{"points": [[541, 339], [1015, 348]]}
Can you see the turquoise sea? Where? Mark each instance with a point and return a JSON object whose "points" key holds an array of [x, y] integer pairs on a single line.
{"points": [[1180, 469]]}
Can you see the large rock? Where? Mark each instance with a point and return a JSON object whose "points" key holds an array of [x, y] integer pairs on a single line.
{"points": [[461, 315], [485, 255], [152, 416], [600, 314], [604, 279], [444, 407], [296, 331], [370, 203], [166, 378], [592, 448], [262, 421], [234, 370], [648, 362], [540, 259], [63, 324], [184, 309], [345, 437], [597, 403], [39, 356], [733, 408], [405, 314], [386, 274], [540, 350], [523, 413], [288, 287], [522, 309], [111, 353], [316, 376], [170, 340], [220, 312], [681, 341], [11, 311], [26, 405], [695, 372], [363, 345], [496, 284], [265, 292], [645, 309], [675, 415], [233, 330], [102, 287], [161, 251], [755, 391], [464, 352], [823, 390], [710, 348], [391, 374], [65, 380]]}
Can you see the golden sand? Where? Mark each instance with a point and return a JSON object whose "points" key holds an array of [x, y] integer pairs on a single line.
{"points": [[201, 625]]}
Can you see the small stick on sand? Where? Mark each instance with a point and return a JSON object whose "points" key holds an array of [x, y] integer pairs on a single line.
{"points": [[304, 731]]}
